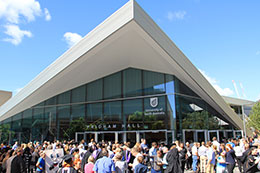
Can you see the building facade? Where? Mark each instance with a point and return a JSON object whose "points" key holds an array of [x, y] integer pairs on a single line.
{"points": [[125, 80]]}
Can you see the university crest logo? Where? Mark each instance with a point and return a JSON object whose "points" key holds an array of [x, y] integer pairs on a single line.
{"points": [[154, 102]]}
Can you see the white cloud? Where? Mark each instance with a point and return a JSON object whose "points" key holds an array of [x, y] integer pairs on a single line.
{"points": [[14, 12], [177, 15], [214, 83], [257, 52], [16, 34], [47, 14], [258, 98], [72, 38]]}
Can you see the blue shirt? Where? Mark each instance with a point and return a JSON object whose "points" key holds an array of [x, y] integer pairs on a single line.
{"points": [[104, 165], [232, 144], [41, 165], [140, 168], [213, 160]]}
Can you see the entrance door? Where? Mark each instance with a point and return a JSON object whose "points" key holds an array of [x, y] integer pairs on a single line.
{"points": [[213, 133], [201, 136], [239, 134], [229, 134], [89, 136], [154, 136], [188, 136], [222, 136]]}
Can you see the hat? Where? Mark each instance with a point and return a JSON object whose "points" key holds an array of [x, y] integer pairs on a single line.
{"points": [[68, 158]]}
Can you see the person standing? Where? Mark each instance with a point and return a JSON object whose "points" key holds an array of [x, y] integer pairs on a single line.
{"points": [[183, 156], [173, 160], [41, 163], [104, 164], [195, 157], [221, 163], [239, 153], [88, 168], [230, 158], [211, 155], [202, 152], [189, 156], [157, 163], [17, 164]]}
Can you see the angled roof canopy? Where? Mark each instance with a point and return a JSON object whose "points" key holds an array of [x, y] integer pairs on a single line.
{"points": [[128, 38]]}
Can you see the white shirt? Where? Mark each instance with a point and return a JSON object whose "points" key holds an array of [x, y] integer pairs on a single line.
{"points": [[209, 153], [238, 151], [202, 151], [194, 150]]}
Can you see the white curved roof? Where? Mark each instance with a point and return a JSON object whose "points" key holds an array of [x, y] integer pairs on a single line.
{"points": [[128, 38]]}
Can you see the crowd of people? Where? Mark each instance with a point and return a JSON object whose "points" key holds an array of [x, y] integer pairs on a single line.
{"points": [[210, 157]]}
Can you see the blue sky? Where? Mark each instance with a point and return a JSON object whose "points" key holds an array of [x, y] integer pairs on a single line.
{"points": [[221, 38]]}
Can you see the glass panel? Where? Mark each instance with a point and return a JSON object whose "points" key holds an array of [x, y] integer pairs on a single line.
{"points": [[50, 114], [78, 111], [112, 86], [133, 114], [78, 94], [112, 115], [51, 101], [194, 114], [64, 98], [132, 82], [171, 112], [181, 88], [153, 83], [94, 116], [155, 113], [95, 90], [17, 123], [63, 121], [169, 84], [27, 125], [38, 120]]}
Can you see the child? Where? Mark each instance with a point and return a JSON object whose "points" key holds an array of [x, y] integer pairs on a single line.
{"points": [[221, 165]]}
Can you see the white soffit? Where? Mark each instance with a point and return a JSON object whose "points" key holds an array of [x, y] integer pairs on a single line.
{"points": [[128, 38]]}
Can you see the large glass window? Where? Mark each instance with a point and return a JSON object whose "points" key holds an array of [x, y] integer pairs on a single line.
{"points": [[27, 125], [181, 88], [112, 86], [95, 90], [78, 111], [133, 114], [17, 122], [94, 113], [63, 120], [113, 115], [38, 122], [64, 98], [132, 82], [78, 94], [153, 83], [155, 113]]}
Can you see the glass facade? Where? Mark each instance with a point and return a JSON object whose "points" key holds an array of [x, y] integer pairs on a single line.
{"points": [[128, 100]]}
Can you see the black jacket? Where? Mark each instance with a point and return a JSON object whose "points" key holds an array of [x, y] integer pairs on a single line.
{"points": [[173, 161], [18, 165]]}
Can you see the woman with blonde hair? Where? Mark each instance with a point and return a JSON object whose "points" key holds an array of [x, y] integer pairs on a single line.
{"points": [[90, 165]]}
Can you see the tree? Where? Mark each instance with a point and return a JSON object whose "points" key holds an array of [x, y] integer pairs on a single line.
{"points": [[77, 125], [5, 132], [254, 117]]}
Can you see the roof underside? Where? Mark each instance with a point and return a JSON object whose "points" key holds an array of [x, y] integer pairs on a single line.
{"points": [[128, 38]]}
